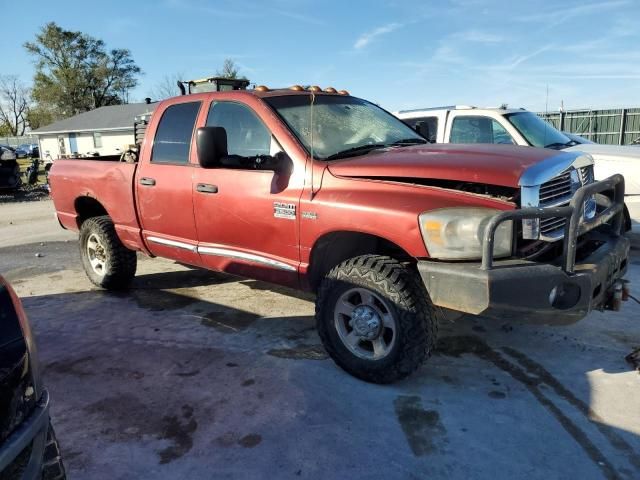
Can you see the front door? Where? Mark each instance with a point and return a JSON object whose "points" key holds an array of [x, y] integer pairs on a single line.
{"points": [[247, 217], [163, 186], [73, 143]]}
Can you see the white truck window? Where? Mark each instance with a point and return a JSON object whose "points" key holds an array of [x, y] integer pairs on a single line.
{"points": [[425, 126], [478, 129]]}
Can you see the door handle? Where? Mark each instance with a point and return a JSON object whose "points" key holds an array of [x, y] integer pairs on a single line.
{"points": [[149, 182], [207, 188]]}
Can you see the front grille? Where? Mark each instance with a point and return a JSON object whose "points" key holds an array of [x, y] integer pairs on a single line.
{"points": [[556, 189], [558, 192]]}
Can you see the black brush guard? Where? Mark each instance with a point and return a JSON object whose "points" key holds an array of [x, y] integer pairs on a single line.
{"points": [[560, 292]]}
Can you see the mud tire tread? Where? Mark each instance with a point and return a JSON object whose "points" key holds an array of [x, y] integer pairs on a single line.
{"points": [[121, 263], [415, 314]]}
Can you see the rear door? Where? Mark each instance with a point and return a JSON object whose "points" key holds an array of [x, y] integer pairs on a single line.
{"points": [[164, 185], [247, 217], [465, 128]]}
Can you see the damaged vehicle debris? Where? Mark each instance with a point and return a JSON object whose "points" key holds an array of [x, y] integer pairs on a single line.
{"points": [[28, 445], [9, 170], [321, 191]]}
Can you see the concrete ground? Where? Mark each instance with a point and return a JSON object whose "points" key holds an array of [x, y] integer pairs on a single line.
{"points": [[198, 375]]}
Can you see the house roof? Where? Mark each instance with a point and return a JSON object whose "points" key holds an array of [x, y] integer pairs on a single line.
{"points": [[113, 117]]}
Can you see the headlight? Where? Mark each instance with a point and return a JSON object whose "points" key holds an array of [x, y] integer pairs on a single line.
{"points": [[457, 233]]}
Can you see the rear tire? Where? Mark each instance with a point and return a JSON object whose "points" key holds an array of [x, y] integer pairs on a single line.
{"points": [[52, 466], [106, 261], [375, 318]]}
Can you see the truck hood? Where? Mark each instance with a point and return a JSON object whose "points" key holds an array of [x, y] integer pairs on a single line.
{"points": [[501, 165]]}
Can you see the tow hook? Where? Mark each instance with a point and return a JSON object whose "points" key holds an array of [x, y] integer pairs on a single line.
{"points": [[619, 294]]}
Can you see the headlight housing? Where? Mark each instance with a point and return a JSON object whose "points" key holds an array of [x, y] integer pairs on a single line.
{"points": [[457, 233]]}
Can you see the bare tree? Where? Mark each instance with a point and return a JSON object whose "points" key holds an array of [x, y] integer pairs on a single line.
{"points": [[167, 87], [229, 69], [14, 104]]}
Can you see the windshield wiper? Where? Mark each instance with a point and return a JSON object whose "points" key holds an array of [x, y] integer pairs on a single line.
{"points": [[560, 144], [410, 141], [359, 150]]}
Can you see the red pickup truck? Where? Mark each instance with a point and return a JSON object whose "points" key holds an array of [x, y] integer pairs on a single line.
{"points": [[326, 192]]}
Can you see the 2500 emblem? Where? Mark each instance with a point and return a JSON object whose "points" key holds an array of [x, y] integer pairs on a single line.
{"points": [[284, 210]]}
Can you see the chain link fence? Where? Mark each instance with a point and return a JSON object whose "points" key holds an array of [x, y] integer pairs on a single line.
{"points": [[15, 141], [619, 126]]}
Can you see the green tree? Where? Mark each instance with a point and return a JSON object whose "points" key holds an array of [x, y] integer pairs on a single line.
{"points": [[76, 73], [38, 116]]}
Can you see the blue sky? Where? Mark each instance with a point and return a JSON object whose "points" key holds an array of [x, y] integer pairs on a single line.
{"points": [[398, 53]]}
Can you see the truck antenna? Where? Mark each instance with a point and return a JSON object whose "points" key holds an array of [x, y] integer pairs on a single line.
{"points": [[313, 99], [546, 114]]}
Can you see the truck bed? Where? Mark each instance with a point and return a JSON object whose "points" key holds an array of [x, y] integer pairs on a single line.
{"points": [[76, 184]]}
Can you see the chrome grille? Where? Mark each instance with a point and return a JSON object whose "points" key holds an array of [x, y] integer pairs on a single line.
{"points": [[556, 189], [586, 174], [558, 192]]}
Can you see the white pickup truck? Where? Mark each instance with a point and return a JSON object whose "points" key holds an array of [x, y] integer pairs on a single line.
{"points": [[516, 126]]}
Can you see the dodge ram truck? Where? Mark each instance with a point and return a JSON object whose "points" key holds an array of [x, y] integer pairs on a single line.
{"points": [[322, 191]]}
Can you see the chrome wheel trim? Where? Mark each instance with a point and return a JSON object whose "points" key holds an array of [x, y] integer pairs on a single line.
{"points": [[97, 255], [365, 323]]}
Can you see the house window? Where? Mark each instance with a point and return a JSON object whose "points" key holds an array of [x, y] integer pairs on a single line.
{"points": [[97, 140]]}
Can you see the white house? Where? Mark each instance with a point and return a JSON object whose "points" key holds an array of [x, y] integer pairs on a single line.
{"points": [[106, 130]]}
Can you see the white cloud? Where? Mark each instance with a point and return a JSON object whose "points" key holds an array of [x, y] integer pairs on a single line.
{"points": [[562, 15], [477, 36], [313, 20], [367, 37], [524, 58]]}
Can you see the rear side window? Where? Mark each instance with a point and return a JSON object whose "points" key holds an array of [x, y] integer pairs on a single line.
{"points": [[173, 137], [246, 134], [427, 126]]}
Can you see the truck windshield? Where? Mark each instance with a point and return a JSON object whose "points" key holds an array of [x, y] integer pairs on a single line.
{"points": [[538, 132], [341, 126]]}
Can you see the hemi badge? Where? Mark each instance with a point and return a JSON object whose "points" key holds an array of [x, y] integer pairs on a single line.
{"points": [[310, 215], [284, 210]]}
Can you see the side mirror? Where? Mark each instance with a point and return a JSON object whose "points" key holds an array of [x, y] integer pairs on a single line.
{"points": [[423, 129], [211, 143]]}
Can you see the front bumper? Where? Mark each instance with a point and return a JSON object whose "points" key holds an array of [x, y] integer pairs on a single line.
{"points": [[516, 289], [32, 432], [539, 292]]}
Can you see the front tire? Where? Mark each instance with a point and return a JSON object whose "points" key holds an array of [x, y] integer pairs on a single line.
{"points": [[375, 318], [106, 261]]}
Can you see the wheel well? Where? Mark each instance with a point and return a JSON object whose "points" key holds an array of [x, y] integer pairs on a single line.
{"points": [[627, 219], [334, 248], [88, 207]]}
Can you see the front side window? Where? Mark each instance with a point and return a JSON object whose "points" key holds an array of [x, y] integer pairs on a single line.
{"points": [[478, 129], [337, 126], [247, 136], [172, 142]]}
